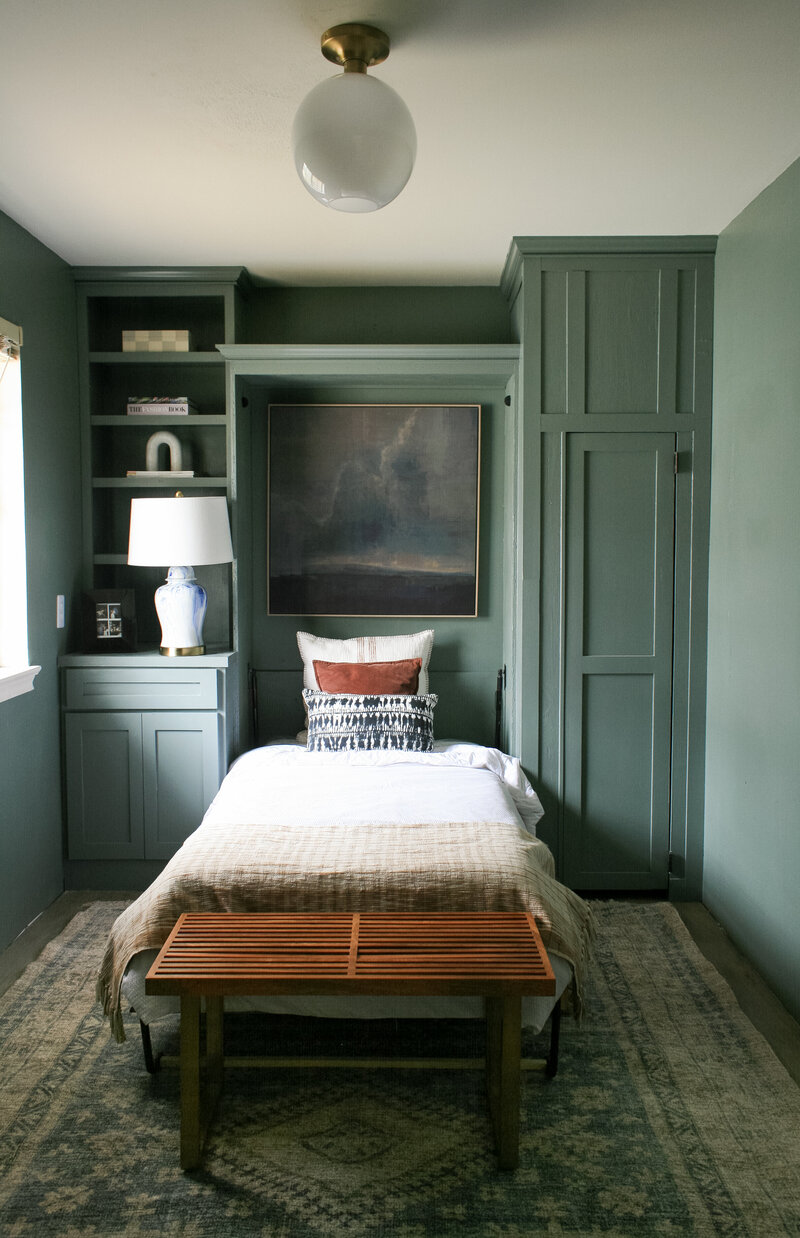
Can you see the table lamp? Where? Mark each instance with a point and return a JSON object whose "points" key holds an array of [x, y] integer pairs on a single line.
{"points": [[180, 531]]}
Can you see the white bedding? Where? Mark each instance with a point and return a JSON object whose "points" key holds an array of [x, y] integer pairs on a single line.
{"points": [[285, 783], [283, 769]]}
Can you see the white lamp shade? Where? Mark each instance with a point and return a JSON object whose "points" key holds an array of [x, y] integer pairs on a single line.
{"points": [[179, 531], [354, 143]]}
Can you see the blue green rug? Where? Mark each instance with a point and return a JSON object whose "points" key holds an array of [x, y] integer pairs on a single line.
{"points": [[669, 1115]]}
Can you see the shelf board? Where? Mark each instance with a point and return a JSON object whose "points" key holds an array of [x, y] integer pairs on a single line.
{"points": [[156, 358], [160, 483], [158, 419]]}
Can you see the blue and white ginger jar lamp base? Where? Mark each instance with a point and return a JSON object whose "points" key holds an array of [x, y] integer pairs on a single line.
{"points": [[181, 608]]}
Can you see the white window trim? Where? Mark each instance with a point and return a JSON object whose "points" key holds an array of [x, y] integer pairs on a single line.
{"points": [[13, 682], [15, 678]]}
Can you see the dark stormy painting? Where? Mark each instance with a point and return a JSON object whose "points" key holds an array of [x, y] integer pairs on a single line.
{"points": [[373, 509]]}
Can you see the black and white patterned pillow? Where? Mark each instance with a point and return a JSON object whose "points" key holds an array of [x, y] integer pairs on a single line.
{"points": [[352, 722]]}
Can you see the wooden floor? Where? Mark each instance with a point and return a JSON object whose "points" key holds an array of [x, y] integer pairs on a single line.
{"points": [[756, 999]]}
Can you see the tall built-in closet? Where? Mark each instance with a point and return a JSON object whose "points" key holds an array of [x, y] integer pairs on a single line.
{"points": [[609, 456]]}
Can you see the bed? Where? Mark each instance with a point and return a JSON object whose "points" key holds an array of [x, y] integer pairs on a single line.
{"points": [[365, 812]]}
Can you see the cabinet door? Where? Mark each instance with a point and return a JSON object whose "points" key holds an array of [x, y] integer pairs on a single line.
{"points": [[105, 818], [618, 664], [182, 772]]}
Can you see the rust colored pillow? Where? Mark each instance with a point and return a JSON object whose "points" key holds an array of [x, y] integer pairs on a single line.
{"points": [[400, 678]]}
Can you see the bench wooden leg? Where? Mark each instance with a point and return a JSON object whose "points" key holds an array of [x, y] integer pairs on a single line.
{"points": [[197, 1111], [555, 1029], [503, 1048], [191, 1137], [215, 1051]]}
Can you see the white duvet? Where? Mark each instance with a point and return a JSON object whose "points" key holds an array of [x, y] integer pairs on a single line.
{"points": [[270, 785]]}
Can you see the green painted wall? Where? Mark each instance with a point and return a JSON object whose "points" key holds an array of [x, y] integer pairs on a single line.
{"points": [[395, 315], [36, 291], [752, 839]]}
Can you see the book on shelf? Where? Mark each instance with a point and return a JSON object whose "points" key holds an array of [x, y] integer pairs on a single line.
{"points": [[160, 473], [160, 406], [155, 340]]}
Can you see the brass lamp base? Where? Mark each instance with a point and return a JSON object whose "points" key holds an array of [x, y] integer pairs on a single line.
{"points": [[186, 652]]}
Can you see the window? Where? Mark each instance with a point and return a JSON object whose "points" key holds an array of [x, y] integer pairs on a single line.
{"points": [[16, 676]]}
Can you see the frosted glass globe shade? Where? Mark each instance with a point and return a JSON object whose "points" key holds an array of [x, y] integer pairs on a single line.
{"points": [[354, 143]]}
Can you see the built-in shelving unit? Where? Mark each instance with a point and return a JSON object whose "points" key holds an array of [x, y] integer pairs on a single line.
{"points": [[206, 303], [147, 739]]}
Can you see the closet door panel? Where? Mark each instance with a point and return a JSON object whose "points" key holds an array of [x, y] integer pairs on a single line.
{"points": [[616, 773], [619, 531], [618, 663]]}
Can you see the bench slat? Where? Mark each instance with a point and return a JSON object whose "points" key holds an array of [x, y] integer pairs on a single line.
{"points": [[327, 952]]}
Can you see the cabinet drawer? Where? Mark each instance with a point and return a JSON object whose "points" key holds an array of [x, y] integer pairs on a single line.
{"points": [[142, 688]]}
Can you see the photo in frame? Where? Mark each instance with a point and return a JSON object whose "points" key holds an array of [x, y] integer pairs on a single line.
{"points": [[109, 621], [373, 509]]}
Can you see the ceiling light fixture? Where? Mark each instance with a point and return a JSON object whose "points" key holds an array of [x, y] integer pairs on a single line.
{"points": [[354, 139]]}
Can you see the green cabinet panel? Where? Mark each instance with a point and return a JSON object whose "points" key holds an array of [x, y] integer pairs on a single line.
{"points": [[129, 687], [616, 336], [618, 525], [554, 341], [138, 784], [181, 767], [104, 786], [621, 350], [692, 337], [616, 775], [620, 500]]}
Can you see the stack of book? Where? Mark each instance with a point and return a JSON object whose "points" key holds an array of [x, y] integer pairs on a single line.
{"points": [[160, 405]]}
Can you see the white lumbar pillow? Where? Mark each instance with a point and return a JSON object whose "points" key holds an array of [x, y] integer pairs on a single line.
{"points": [[365, 649]]}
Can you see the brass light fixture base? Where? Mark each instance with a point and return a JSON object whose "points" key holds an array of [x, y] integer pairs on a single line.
{"points": [[182, 651], [355, 46]]}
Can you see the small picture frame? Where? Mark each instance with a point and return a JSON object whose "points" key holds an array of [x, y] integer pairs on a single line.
{"points": [[109, 621]]}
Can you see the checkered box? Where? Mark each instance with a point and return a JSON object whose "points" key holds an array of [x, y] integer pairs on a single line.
{"points": [[156, 341]]}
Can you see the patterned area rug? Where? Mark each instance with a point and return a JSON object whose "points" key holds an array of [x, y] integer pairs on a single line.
{"points": [[669, 1116]]}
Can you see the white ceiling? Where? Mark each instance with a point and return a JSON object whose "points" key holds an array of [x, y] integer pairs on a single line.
{"points": [[157, 132]]}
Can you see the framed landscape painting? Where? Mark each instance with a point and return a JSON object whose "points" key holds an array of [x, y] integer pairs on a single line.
{"points": [[373, 509]]}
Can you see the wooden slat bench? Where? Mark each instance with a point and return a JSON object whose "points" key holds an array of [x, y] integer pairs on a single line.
{"points": [[498, 956]]}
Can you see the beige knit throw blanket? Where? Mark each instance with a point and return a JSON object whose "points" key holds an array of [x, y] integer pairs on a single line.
{"points": [[450, 866]]}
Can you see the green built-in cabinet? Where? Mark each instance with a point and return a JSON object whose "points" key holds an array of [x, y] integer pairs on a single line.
{"points": [[611, 455], [593, 537], [147, 741]]}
